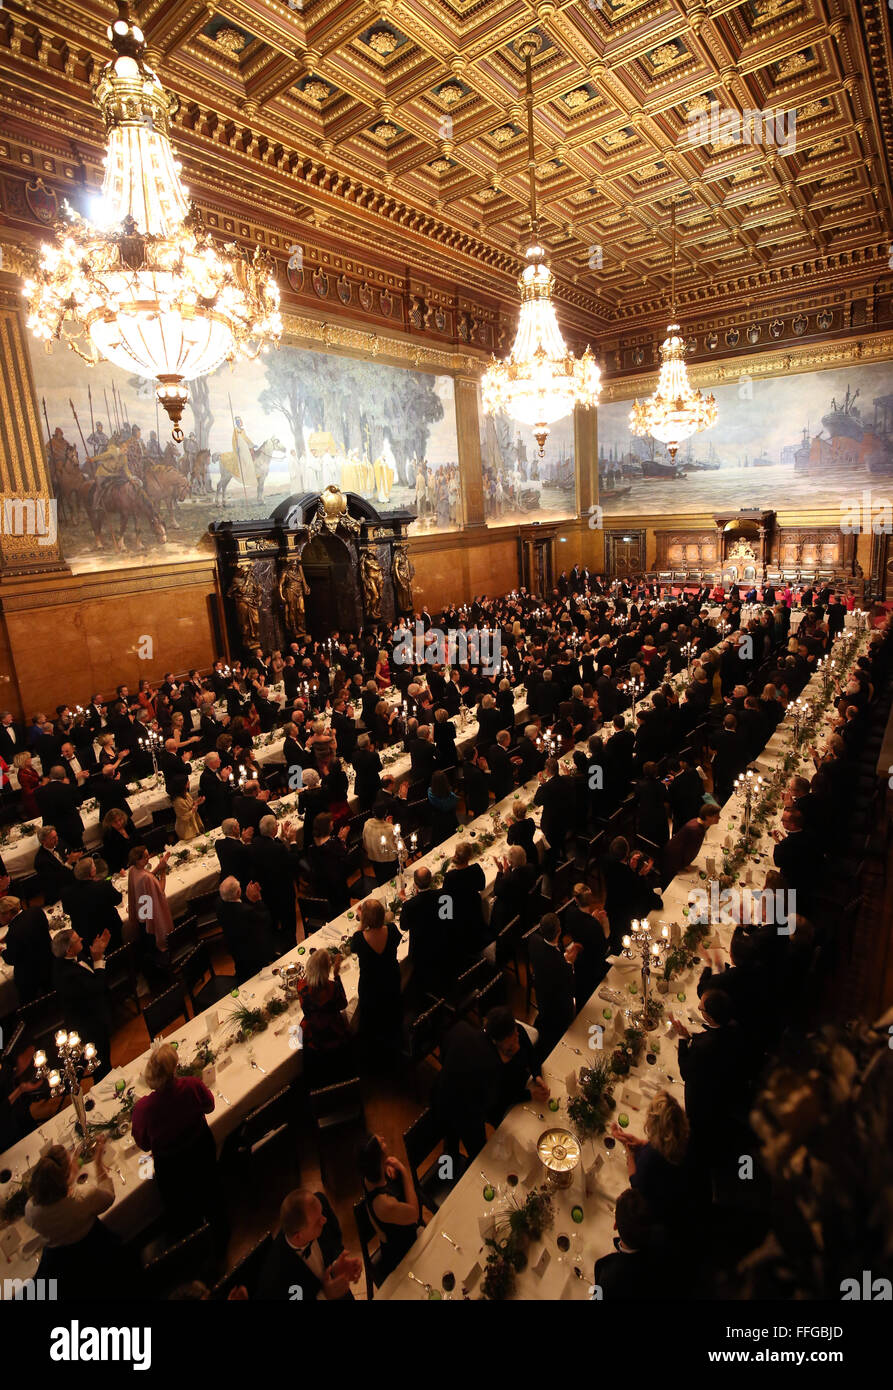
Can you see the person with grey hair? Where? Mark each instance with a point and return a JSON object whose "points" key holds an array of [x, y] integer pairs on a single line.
{"points": [[215, 786], [313, 799], [247, 927], [249, 805], [513, 889], [58, 803], [53, 865], [367, 766], [92, 904], [529, 758], [274, 860], [233, 850], [81, 987]]}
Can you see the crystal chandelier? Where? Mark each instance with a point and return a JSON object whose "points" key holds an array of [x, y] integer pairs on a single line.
{"points": [[143, 285], [540, 381], [676, 410]]}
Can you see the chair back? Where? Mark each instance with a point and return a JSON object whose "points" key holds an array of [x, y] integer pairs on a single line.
{"points": [[178, 1261], [166, 1008], [246, 1273], [368, 1236]]}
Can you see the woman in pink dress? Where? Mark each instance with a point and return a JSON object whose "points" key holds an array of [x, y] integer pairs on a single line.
{"points": [[147, 904]]}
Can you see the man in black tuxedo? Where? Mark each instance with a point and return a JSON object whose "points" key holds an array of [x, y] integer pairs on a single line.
{"points": [[275, 862], [423, 756], [53, 865], [555, 795], [714, 1067], [247, 927], [628, 892], [172, 764], [58, 804], [76, 774], [553, 974], [629, 1273], [250, 805], [432, 953], [27, 947], [475, 782], [344, 727], [92, 904], [619, 753], [513, 888], [110, 791], [233, 850], [215, 786], [43, 743], [484, 1073], [529, 758], [367, 765], [82, 992], [12, 738], [502, 775], [797, 854], [546, 697], [308, 1253]]}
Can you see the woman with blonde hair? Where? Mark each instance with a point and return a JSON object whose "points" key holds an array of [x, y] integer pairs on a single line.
{"points": [[65, 1210], [322, 743], [107, 754], [170, 1124], [378, 992], [383, 671], [325, 1032], [659, 1165], [29, 780]]}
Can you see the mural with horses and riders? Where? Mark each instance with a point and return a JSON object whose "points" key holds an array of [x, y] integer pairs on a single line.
{"points": [[254, 434]]}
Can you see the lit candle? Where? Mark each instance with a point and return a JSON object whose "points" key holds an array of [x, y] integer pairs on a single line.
{"points": [[74, 1040], [40, 1058], [61, 1038], [89, 1052], [627, 942], [55, 1080]]}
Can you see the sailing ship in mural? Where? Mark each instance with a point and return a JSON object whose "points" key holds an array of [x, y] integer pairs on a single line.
{"points": [[766, 443], [518, 485], [291, 422]]}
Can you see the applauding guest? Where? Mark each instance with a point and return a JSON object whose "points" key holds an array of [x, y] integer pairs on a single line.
{"points": [[308, 1259], [170, 1124]]}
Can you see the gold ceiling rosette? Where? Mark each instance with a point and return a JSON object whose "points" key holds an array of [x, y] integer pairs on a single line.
{"points": [[540, 381], [142, 284]]}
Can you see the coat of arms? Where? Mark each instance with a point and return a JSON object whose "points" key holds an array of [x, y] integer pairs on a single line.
{"points": [[320, 283], [344, 289], [367, 298], [295, 278], [42, 201], [386, 299]]}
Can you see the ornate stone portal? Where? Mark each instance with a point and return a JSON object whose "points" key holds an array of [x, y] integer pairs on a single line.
{"points": [[323, 562]]}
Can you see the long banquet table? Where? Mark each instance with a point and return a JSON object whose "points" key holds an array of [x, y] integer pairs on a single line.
{"points": [[248, 1073], [465, 1219]]}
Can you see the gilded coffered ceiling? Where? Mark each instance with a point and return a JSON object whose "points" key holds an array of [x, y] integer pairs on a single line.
{"points": [[401, 124]]}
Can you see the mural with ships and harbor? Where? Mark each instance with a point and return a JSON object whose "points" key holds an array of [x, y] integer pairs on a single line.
{"points": [[815, 439]]}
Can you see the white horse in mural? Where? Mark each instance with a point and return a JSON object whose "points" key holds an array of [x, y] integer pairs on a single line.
{"points": [[261, 459]]}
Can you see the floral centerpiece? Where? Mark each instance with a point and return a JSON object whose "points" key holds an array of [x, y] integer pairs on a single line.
{"points": [[590, 1109], [628, 1052], [510, 1242]]}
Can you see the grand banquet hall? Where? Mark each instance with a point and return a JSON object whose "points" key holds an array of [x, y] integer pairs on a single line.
{"points": [[446, 720]]}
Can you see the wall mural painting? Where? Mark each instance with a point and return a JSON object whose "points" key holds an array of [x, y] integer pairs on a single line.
{"points": [[291, 422], [816, 439], [518, 484]]}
